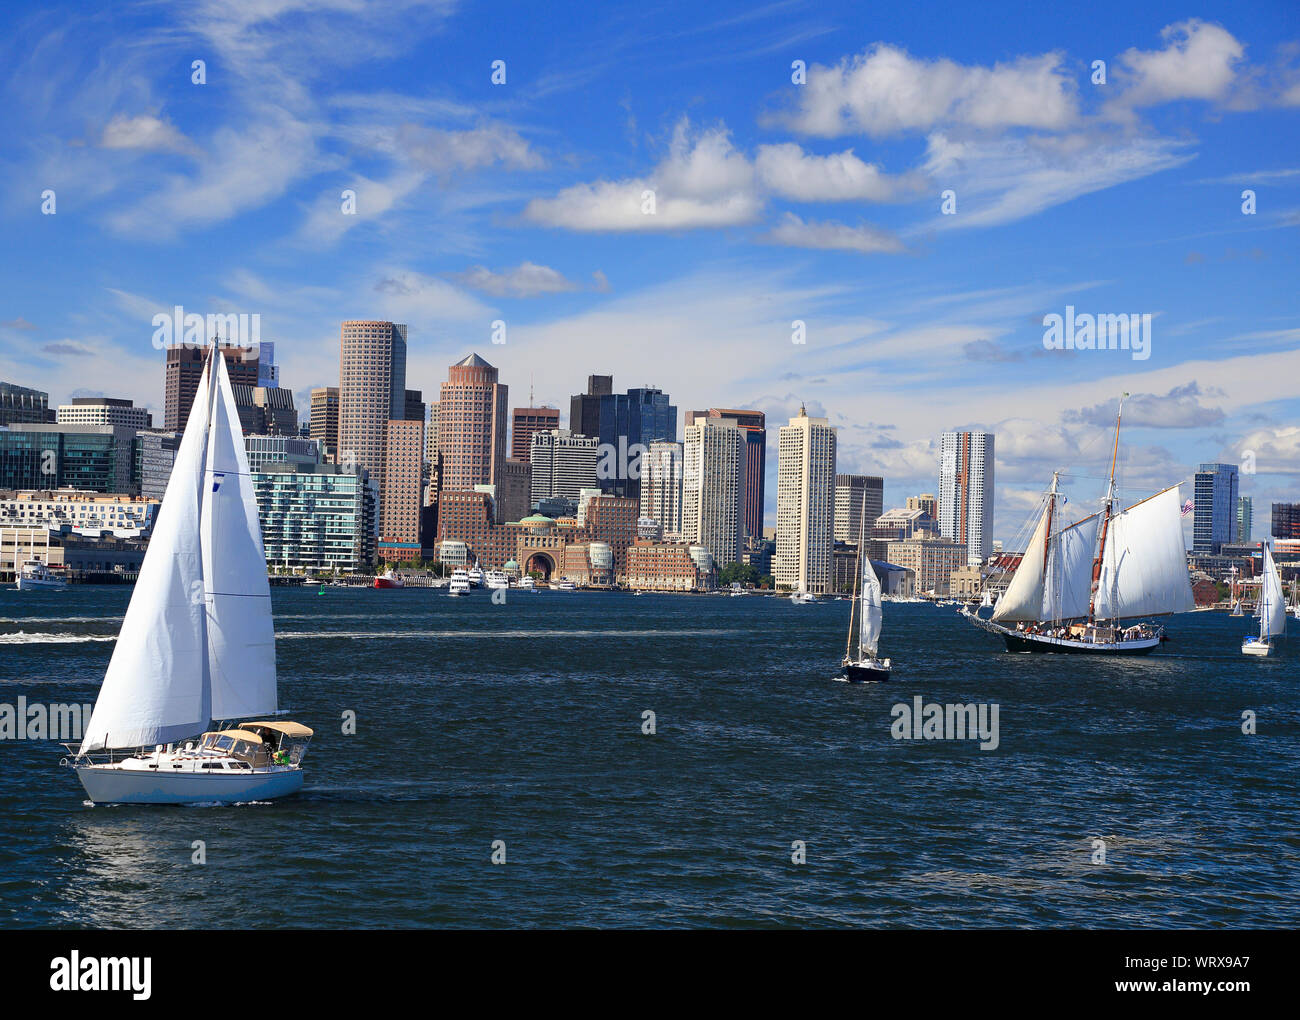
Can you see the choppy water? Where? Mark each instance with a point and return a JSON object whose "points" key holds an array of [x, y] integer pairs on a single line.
{"points": [[523, 723]]}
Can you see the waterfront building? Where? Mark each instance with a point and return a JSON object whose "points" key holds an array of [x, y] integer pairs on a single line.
{"points": [[965, 503], [76, 555], [758, 553], [852, 494], [524, 421], [84, 513], [372, 392], [103, 411], [563, 464], [754, 426], [713, 487], [263, 450], [324, 426], [661, 486], [20, 405], [1245, 515], [805, 504], [629, 423], [664, 566], [155, 453], [183, 369], [472, 425], [584, 408], [931, 560], [320, 517], [400, 498], [91, 458], [1214, 521]]}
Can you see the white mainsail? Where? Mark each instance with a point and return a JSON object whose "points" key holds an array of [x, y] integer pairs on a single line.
{"points": [[1068, 584], [1272, 611], [1144, 566], [1023, 599], [155, 690], [241, 635], [869, 630]]}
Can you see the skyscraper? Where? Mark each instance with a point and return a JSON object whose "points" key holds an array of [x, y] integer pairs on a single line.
{"points": [[472, 425], [413, 406], [805, 504], [713, 487], [661, 486], [1285, 522], [966, 492], [563, 464], [754, 426], [629, 423], [584, 408], [852, 493], [1245, 515], [1215, 520], [399, 526], [372, 392], [524, 421], [184, 368], [325, 420]]}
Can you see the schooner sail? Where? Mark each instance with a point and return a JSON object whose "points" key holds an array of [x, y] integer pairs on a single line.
{"points": [[197, 642], [1080, 587]]}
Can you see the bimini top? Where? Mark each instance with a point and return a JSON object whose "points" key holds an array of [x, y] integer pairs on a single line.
{"points": [[289, 729], [237, 735]]}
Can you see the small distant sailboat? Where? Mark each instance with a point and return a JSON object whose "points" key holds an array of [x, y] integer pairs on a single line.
{"points": [[1272, 610], [197, 643], [865, 666]]}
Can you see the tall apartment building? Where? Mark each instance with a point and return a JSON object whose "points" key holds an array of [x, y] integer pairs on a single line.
{"points": [[661, 486], [966, 492], [372, 392], [1285, 520], [103, 411], [629, 423], [713, 487], [399, 500], [805, 504], [20, 405], [524, 421], [1245, 515], [754, 426], [514, 491], [431, 455], [320, 517], [325, 420], [1214, 523], [563, 464], [584, 408], [472, 425], [857, 497], [184, 369]]}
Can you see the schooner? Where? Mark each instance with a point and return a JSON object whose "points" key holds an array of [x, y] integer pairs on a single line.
{"points": [[1093, 586]]}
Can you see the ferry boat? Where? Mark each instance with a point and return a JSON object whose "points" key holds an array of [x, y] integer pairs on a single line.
{"points": [[1272, 610], [459, 582], [197, 643], [496, 579], [389, 580], [1092, 587], [475, 575], [564, 584], [35, 575], [526, 583]]}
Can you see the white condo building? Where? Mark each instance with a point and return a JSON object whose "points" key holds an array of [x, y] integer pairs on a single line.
{"points": [[661, 486], [805, 504], [563, 464], [966, 492], [713, 487], [103, 411]]}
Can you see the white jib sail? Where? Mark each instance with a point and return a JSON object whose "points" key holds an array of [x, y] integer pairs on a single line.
{"points": [[1023, 599], [1144, 567], [154, 690], [1068, 585], [1272, 615], [241, 635], [872, 618]]}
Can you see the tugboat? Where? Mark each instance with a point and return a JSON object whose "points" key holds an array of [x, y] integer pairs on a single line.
{"points": [[865, 667], [389, 580], [1091, 587]]}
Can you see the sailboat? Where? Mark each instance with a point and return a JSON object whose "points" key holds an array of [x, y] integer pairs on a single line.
{"points": [[1090, 587], [1232, 594], [865, 667], [197, 643], [1272, 610]]}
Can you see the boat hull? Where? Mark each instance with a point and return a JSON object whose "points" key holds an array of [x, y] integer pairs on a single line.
{"points": [[105, 785], [865, 674], [36, 584], [1020, 642], [1257, 648]]}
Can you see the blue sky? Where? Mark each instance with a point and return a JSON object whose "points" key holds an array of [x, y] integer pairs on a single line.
{"points": [[774, 202]]}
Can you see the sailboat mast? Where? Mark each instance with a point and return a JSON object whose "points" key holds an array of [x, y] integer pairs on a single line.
{"points": [[1105, 521], [857, 580]]}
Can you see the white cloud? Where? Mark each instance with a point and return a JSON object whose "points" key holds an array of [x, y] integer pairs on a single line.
{"points": [[527, 279], [1180, 408], [839, 177], [1198, 61], [831, 235], [1277, 450], [885, 91], [145, 132]]}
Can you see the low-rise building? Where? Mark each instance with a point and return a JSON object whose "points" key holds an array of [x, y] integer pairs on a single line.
{"points": [[931, 560], [664, 566], [82, 513]]}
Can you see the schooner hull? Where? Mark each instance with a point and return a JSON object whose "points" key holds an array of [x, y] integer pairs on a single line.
{"points": [[1020, 642], [109, 785]]}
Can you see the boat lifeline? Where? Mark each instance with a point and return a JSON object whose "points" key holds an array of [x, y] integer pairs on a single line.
{"points": [[1272, 610], [1090, 587], [35, 575], [865, 666], [197, 643]]}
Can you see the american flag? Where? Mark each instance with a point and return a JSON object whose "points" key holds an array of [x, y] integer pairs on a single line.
{"points": [[1187, 509]]}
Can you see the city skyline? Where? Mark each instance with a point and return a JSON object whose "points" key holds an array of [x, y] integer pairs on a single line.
{"points": [[481, 203]]}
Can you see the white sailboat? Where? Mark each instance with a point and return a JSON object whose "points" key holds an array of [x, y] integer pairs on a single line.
{"points": [[865, 667], [1090, 587], [197, 643], [1272, 610]]}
